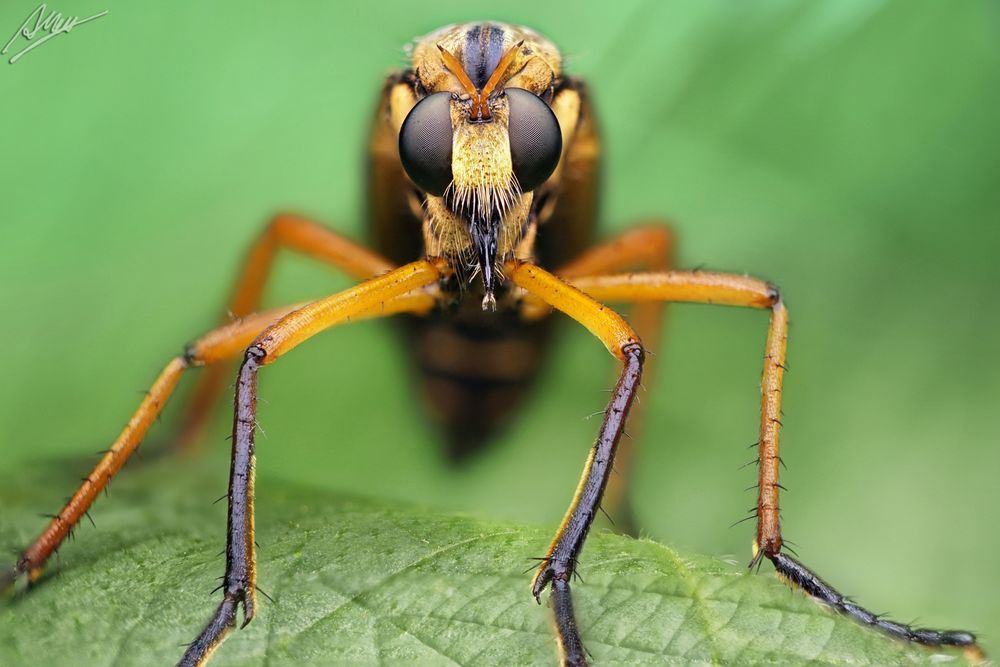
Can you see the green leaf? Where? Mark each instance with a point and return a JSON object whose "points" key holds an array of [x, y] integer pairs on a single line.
{"points": [[363, 582]]}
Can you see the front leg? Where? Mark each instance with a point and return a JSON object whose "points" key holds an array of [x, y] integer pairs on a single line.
{"points": [[648, 246], [240, 581], [559, 563], [560, 559], [398, 291]]}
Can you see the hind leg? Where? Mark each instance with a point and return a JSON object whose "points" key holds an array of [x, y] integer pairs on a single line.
{"points": [[305, 237]]}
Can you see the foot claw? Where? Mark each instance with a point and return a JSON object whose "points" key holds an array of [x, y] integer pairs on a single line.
{"points": [[542, 578]]}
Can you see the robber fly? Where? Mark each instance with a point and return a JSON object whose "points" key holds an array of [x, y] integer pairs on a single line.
{"points": [[482, 171]]}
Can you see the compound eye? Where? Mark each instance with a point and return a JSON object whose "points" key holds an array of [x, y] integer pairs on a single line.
{"points": [[425, 143], [535, 138]]}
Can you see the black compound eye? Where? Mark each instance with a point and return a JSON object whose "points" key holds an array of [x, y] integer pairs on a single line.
{"points": [[535, 138], [425, 143]]}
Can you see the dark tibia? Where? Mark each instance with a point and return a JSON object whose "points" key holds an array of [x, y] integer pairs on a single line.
{"points": [[562, 557], [801, 576], [202, 647], [571, 647], [239, 581], [559, 564]]}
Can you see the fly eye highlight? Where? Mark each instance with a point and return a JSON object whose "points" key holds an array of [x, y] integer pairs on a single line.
{"points": [[425, 143], [535, 138]]}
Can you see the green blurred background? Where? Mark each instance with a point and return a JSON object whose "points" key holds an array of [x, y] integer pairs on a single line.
{"points": [[847, 150]]}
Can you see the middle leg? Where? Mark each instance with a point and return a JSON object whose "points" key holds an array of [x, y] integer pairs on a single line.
{"points": [[733, 290], [215, 346]]}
